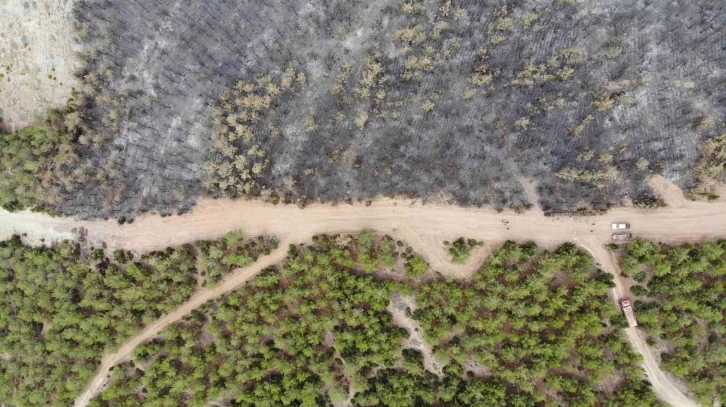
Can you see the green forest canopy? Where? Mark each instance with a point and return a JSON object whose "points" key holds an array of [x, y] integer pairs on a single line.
{"points": [[529, 328], [38, 163], [63, 307], [315, 331], [682, 301]]}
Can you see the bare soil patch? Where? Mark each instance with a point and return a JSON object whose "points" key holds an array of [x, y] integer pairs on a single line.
{"points": [[424, 227], [397, 308], [37, 50]]}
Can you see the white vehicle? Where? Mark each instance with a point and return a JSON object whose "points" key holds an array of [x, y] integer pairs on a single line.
{"points": [[620, 225]]}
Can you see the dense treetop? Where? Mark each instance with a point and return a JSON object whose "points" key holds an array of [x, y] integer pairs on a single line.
{"points": [[682, 304], [529, 328], [316, 331], [541, 324], [62, 307], [61, 310], [32, 162]]}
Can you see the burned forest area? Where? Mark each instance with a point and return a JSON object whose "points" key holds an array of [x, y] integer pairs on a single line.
{"points": [[454, 101]]}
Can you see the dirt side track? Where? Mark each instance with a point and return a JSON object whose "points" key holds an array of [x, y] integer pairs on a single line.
{"points": [[230, 283], [424, 227]]}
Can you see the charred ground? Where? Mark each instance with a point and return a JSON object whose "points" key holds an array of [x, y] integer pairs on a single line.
{"points": [[444, 100]]}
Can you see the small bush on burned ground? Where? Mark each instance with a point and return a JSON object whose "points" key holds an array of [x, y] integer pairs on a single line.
{"points": [[713, 160]]}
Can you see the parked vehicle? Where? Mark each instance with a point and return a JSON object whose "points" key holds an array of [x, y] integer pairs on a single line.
{"points": [[620, 225], [622, 236], [628, 312]]}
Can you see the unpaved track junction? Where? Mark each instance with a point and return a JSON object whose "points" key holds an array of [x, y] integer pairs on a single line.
{"points": [[423, 226]]}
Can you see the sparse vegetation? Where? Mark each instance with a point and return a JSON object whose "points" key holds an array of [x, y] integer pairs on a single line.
{"points": [[577, 130], [215, 259], [603, 101], [713, 159], [236, 159], [578, 174], [704, 122], [696, 194], [649, 202], [33, 163], [642, 164]]}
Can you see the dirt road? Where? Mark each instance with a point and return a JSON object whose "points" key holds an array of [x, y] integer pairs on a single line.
{"points": [[424, 227], [663, 386], [232, 282]]}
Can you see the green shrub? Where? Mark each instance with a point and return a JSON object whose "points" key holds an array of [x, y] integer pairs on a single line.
{"points": [[416, 266], [461, 248]]}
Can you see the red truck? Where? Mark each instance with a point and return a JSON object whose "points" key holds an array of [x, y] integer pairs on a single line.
{"points": [[628, 312]]}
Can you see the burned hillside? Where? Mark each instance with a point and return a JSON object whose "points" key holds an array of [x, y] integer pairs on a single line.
{"points": [[333, 100]]}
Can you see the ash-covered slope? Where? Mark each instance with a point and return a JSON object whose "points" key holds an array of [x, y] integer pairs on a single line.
{"points": [[452, 100]]}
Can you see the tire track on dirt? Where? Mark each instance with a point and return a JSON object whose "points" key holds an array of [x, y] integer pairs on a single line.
{"points": [[662, 385]]}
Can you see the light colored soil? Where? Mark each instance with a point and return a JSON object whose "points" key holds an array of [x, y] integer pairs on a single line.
{"points": [[671, 194], [439, 258], [424, 227], [530, 189], [664, 386], [36, 40], [416, 340], [713, 186]]}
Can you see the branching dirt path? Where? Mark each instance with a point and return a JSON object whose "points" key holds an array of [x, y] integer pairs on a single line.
{"points": [[416, 340], [424, 227], [663, 386], [238, 278]]}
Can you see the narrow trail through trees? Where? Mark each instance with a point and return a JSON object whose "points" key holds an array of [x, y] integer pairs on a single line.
{"points": [[663, 387], [231, 282], [662, 384]]}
